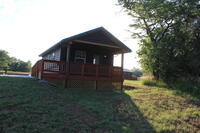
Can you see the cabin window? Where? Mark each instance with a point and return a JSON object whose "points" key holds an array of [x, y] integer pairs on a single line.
{"points": [[80, 56], [53, 56]]}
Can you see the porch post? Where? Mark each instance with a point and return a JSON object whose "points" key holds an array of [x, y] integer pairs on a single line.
{"points": [[67, 65], [42, 69], [122, 67], [67, 59]]}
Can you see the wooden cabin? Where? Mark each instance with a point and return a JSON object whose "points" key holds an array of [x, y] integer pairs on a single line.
{"points": [[83, 61]]}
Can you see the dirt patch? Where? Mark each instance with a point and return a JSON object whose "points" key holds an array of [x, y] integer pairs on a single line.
{"points": [[164, 101], [79, 116], [195, 123], [87, 117]]}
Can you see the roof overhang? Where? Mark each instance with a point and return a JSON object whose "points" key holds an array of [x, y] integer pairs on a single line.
{"points": [[76, 38]]}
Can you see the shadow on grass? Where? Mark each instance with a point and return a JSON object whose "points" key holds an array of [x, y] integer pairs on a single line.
{"points": [[52, 109], [132, 116], [115, 112]]}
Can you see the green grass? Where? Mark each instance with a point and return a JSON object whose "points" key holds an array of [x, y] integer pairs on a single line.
{"points": [[167, 109], [182, 88], [29, 106]]}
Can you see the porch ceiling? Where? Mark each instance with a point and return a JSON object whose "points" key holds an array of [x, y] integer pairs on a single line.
{"points": [[98, 44]]}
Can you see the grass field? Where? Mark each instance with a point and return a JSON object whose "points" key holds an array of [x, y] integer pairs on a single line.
{"points": [[15, 73], [27, 105]]}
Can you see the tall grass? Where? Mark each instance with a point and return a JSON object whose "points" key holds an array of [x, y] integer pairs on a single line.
{"points": [[188, 87], [192, 88], [151, 82]]}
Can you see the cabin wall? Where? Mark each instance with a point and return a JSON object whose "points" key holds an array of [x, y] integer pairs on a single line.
{"points": [[105, 54], [54, 55]]}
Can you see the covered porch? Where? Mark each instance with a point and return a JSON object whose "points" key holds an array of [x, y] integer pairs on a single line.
{"points": [[83, 58], [74, 70]]}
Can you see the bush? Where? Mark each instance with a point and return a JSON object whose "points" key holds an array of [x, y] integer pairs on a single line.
{"points": [[149, 82], [192, 88]]}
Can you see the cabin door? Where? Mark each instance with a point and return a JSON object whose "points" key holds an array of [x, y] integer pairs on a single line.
{"points": [[96, 59]]}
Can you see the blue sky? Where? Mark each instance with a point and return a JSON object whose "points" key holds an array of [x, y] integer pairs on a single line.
{"points": [[28, 27]]}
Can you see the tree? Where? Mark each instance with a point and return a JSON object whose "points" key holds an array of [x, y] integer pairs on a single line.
{"points": [[19, 65], [4, 60], [136, 72], [28, 66], [24, 66], [12, 63], [169, 33]]}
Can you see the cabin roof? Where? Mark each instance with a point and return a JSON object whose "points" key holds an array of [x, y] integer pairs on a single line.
{"points": [[127, 70], [84, 35]]}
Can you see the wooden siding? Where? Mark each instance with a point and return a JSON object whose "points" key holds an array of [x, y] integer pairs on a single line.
{"points": [[54, 55], [98, 37]]}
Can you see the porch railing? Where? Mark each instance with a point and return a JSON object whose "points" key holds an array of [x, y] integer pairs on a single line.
{"points": [[74, 69]]}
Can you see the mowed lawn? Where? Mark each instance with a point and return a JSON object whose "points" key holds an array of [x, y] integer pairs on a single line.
{"points": [[15, 73], [27, 105]]}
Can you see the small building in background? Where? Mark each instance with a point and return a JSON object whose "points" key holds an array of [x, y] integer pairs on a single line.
{"points": [[128, 74]]}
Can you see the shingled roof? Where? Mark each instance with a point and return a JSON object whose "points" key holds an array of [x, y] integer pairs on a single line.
{"points": [[117, 42]]}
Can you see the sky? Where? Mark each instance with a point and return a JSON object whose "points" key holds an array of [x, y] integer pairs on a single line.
{"points": [[29, 27]]}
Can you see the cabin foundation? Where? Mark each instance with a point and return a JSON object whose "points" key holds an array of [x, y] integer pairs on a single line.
{"points": [[56, 81], [81, 84], [84, 84]]}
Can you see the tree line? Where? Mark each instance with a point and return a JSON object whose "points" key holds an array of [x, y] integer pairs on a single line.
{"points": [[12, 63], [169, 33]]}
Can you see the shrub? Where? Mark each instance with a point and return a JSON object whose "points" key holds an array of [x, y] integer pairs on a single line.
{"points": [[149, 82], [192, 88]]}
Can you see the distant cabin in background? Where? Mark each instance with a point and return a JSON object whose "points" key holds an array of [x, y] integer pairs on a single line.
{"points": [[128, 74], [83, 61]]}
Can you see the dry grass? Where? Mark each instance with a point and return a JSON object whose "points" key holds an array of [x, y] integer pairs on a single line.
{"points": [[15, 73]]}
